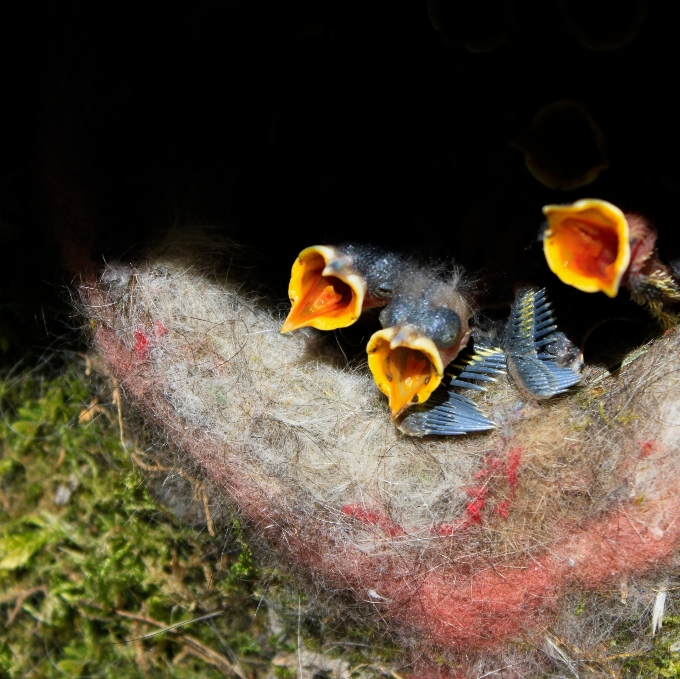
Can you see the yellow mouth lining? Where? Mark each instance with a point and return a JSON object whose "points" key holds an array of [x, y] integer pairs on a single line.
{"points": [[587, 245], [406, 367], [322, 298]]}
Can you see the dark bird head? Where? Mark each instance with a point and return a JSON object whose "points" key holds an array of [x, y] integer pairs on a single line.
{"points": [[330, 286], [424, 327]]}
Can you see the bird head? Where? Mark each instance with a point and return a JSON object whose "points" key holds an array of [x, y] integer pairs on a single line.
{"points": [[325, 291], [586, 244], [330, 286], [421, 335]]}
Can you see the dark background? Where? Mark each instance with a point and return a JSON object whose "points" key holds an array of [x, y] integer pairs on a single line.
{"points": [[293, 123]]}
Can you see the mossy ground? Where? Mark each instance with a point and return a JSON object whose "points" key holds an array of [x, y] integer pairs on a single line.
{"points": [[661, 662], [91, 564]]}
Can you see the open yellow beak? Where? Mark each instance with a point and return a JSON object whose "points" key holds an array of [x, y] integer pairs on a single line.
{"points": [[587, 245], [323, 294], [406, 367]]}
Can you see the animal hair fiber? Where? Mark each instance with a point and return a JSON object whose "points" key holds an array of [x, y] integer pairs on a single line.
{"points": [[466, 548]]}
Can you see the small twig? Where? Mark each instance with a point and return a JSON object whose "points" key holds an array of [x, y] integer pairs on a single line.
{"points": [[118, 401], [149, 467], [602, 662], [633, 356], [200, 493], [166, 628], [619, 656], [87, 414], [208, 516], [20, 598], [88, 363], [560, 654], [659, 608], [62, 456]]}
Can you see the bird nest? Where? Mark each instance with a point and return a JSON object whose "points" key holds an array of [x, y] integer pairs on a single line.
{"points": [[458, 543]]}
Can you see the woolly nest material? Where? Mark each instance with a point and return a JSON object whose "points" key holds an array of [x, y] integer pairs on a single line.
{"points": [[457, 543]]}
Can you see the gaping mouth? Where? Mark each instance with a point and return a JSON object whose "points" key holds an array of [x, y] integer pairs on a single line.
{"points": [[406, 367], [587, 245], [323, 294]]}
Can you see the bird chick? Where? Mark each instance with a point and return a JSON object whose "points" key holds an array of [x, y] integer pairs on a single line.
{"points": [[594, 246], [586, 245], [424, 328], [541, 360], [331, 285]]}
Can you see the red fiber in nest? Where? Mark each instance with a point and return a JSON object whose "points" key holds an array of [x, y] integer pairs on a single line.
{"points": [[373, 517], [646, 448], [514, 457], [142, 347]]}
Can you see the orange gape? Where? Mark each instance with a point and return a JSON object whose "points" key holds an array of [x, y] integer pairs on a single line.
{"points": [[328, 300], [589, 248], [587, 244], [407, 371], [324, 291], [325, 296], [406, 366]]}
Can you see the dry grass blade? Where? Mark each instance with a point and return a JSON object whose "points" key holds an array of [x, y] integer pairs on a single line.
{"points": [[195, 645]]}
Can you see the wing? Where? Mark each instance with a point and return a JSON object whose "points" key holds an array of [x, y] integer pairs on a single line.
{"points": [[531, 330], [481, 363], [448, 413]]}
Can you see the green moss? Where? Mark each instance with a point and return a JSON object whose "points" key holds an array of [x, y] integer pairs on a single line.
{"points": [[82, 543], [660, 662], [84, 546]]}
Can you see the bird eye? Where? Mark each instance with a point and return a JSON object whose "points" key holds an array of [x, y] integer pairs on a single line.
{"points": [[442, 326], [384, 290]]}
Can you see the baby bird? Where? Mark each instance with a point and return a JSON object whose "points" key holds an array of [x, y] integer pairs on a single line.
{"points": [[586, 244], [594, 246], [541, 360], [331, 285], [425, 326]]}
